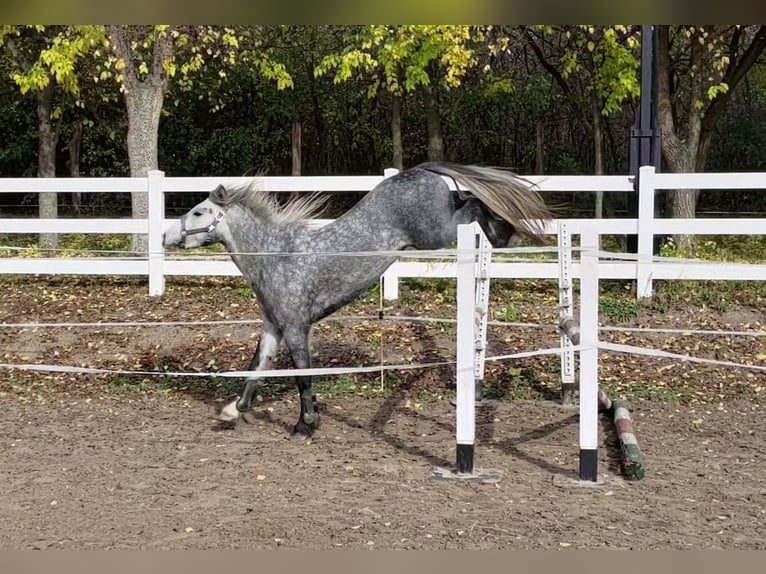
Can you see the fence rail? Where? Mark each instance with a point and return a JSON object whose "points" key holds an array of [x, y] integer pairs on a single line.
{"points": [[157, 265]]}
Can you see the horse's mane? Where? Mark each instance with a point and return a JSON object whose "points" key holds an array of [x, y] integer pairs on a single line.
{"points": [[264, 204]]}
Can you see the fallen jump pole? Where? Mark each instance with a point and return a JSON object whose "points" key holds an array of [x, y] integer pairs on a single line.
{"points": [[631, 458]]}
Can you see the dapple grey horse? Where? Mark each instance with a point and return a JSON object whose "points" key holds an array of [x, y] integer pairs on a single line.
{"points": [[301, 284]]}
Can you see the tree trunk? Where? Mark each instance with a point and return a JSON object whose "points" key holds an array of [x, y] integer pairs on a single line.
{"points": [[46, 160], [598, 153], [296, 148], [539, 149], [144, 104], [433, 121], [685, 143], [143, 101], [75, 145], [396, 132], [324, 154], [682, 203]]}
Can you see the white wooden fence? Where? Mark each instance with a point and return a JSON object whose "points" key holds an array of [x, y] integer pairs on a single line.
{"points": [[157, 264]]}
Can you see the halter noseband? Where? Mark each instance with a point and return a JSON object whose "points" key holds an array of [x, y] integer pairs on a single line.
{"points": [[208, 229]]}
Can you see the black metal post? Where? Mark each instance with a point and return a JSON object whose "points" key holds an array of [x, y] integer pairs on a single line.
{"points": [[645, 135]]}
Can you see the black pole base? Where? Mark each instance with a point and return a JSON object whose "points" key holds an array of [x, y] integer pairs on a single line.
{"points": [[589, 465], [465, 459]]}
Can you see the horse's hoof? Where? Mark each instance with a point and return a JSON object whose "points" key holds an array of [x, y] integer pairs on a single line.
{"points": [[300, 438], [303, 431], [229, 413]]}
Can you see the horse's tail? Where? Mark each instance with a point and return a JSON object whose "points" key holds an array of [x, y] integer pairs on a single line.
{"points": [[504, 193]]}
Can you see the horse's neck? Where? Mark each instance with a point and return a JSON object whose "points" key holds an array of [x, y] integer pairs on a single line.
{"points": [[244, 232], [360, 228]]}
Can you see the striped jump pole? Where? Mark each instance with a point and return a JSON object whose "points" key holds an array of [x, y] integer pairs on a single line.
{"points": [[631, 458]]}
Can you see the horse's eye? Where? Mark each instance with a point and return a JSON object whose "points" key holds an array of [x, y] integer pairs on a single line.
{"points": [[197, 213]]}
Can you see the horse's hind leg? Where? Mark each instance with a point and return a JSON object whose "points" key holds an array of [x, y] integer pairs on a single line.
{"points": [[266, 351], [297, 341]]}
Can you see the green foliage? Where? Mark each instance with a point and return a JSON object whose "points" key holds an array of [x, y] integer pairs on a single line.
{"points": [[60, 53], [18, 150], [46, 53], [608, 56], [723, 295], [70, 245], [227, 112], [399, 57], [723, 248], [715, 59], [741, 145], [620, 309], [509, 314]]}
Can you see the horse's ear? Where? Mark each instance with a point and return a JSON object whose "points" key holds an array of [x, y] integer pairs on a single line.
{"points": [[218, 195]]}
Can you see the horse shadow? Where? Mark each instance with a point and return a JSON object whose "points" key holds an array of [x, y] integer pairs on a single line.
{"points": [[214, 392], [485, 433]]}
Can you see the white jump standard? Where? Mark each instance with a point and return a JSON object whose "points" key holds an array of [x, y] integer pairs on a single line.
{"points": [[474, 254]]}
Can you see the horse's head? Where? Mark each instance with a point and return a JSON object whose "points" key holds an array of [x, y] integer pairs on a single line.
{"points": [[198, 226]]}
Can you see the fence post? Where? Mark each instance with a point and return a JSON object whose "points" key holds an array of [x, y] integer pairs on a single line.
{"points": [[390, 277], [391, 283], [464, 369], [646, 198], [589, 291], [156, 224]]}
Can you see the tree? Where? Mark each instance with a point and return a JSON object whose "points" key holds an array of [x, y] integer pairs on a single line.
{"points": [[596, 68], [143, 61], [401, 59], [45, 60], [698, 67]]}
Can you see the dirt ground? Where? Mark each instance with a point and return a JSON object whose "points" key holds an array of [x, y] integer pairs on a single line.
{"points": [[88, 463]]}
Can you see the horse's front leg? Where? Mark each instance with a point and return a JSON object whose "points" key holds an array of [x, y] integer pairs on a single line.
{"points": [[266, 351], [298, 343]]}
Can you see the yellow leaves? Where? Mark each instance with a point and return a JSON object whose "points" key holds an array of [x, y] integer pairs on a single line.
{"points": [[276, 71], [714, 90], [405, 52], [229, 39]]}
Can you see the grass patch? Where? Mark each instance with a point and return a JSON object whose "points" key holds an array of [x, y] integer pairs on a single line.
{"points": [[508, 314], [79, 245], [619, 309], [441, 290]]}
